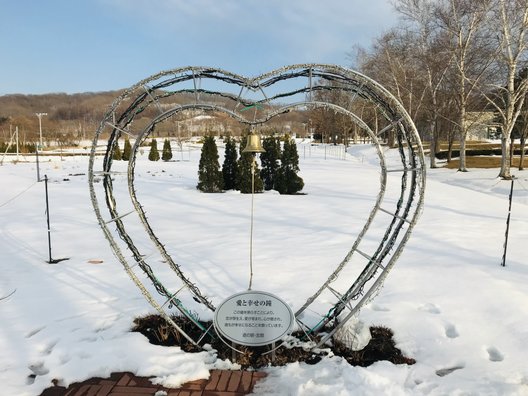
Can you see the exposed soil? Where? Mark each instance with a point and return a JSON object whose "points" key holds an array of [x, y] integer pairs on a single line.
{"points": [[483, 162], [159, 332]]}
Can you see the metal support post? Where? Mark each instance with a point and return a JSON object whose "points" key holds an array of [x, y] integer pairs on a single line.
{"points": [[507, 225]]}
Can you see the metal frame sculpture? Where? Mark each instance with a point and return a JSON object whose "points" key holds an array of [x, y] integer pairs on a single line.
{"points": [[241, 93]]}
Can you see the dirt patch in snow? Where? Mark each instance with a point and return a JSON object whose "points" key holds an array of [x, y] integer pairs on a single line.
{"points": [[160, 332]]}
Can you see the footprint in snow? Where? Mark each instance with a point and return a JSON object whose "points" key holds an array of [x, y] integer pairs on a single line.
{"points": [[494, 355], [88, 339], [431, 308], [35, 331], [448, 370], [451, 331], [49, 347]]}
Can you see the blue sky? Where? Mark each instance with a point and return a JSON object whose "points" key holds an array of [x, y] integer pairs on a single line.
{"points": [[100, 45]]}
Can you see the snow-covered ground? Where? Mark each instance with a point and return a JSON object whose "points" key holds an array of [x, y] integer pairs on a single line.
{"points": [[452, 307]]}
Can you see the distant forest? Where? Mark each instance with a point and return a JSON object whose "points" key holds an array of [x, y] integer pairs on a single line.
{"points": [[71, 118], [66, 113]]}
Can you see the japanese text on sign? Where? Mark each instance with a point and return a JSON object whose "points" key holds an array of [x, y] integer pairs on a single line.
{"points": [[253, 318]]}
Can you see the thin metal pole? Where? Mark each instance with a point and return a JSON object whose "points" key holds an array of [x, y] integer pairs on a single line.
{"points": [[507, 226], [47, 218], [39, 115], [38, 167], [251, 227], [16, 132], [40, 127]]}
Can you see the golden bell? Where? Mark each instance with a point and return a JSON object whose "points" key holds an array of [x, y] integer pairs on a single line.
{"points": [[253, 144]]}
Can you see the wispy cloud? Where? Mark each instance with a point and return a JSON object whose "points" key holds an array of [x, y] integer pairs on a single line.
{"points": [[300, 28]]}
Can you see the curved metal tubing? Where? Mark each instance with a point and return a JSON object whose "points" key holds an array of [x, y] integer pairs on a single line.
{"points": [[149, 91]]}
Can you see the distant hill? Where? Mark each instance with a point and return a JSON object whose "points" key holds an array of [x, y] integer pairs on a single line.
{"points": [[59, 106], [79, 115], [66, 113]]}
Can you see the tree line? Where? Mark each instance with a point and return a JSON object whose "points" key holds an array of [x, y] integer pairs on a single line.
{"points": [[240, 171], [450, 59], [153, 155], [280, 165], [72, 118]]}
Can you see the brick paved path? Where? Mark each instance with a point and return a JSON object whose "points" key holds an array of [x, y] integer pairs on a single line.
{"points": [[220, 383]]}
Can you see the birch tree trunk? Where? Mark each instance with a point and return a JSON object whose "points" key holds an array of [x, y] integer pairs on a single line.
{"points": [[463, 21], [512, 19], [432, 146], [431, 57], [462, 131]]}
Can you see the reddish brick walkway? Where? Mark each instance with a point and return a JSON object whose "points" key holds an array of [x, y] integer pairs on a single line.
{"points": [[220, 383]]}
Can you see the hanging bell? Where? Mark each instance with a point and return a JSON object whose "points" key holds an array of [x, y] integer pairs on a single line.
{"points": [[253, 144]]}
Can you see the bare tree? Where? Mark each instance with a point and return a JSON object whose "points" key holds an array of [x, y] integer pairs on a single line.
{"points": [[333, 127], [509, 22], [392, 62], [463, 21], [432, 57], [523, 134], [521, 125]]}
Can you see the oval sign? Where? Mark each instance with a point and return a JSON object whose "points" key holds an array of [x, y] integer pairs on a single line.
{"points": [[253, 318]]}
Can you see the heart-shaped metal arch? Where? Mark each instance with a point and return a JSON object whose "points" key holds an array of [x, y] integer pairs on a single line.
{"points": [[159, 91]]}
